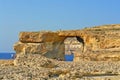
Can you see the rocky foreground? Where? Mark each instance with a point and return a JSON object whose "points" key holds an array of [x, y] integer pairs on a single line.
{"points": [[37, 67]]}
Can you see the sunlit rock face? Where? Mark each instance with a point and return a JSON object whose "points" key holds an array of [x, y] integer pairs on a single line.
{"points": [[33, 60], [48, 44], [39, 37], [100, 43]]}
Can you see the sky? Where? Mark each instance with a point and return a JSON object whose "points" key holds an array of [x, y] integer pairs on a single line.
{"points": [[37, 15]]}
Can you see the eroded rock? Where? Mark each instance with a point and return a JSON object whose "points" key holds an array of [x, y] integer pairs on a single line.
{"points": [[33, 60], [38, 37], [97, 43], [100, 59]]}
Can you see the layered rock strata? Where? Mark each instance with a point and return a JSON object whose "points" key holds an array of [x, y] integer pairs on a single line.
{"points": [[96, 42], [48, 44], [97, 58]]}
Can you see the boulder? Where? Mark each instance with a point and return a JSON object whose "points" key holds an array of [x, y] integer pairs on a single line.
{"points": [[33, 60]]}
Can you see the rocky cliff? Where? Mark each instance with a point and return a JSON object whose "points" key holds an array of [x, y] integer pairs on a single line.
{"points": [[97, 43], [96, 58], [48, 44]]}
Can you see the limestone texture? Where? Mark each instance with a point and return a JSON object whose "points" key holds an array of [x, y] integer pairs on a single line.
{"points": [[40, 55], [97, 43], [37, 37], [37, 67]]}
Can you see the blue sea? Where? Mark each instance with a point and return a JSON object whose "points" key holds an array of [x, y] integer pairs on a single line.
{"points": [[11, 55], [69, 57], [7, 55]]}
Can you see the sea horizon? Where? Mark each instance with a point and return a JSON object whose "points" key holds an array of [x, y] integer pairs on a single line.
{"points": [[6, 55], [10, 55]]}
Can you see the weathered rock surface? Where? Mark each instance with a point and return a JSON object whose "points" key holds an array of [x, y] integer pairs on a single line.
{"points": [[97, 41], [98, 56], [35, 60], [6, 62], [49, 49], [38, 37], [98, 59], [40, 68]]}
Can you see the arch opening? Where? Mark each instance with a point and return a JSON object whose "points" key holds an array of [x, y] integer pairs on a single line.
{"points": [[73, 47]]}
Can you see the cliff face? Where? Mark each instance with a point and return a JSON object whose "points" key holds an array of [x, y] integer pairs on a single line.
{"points": [[96, 50], [48, 44], [97, 43]]}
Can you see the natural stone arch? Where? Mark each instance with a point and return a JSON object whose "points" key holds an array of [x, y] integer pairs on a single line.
{"points": [[101, 40], [48, 44]]}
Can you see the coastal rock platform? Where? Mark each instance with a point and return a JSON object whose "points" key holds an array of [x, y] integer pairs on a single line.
{"points": [[40, 55], [99, 43], [41, 68]]}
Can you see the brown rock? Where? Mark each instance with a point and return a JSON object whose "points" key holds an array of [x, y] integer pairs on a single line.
{"points": [[97, 43], [27, 48], [6, 62], [33, 60], [48, 49], [37, 37]]}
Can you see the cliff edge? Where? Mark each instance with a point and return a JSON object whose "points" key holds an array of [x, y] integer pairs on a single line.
{"points": [[99, 43], [40, 55]]}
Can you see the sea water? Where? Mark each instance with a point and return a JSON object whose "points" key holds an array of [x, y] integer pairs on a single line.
{"points": [[69, 57], [11, 56], [7, 55]]}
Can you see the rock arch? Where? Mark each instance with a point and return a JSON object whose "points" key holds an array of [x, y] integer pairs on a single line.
{"points": [[51, 44]]}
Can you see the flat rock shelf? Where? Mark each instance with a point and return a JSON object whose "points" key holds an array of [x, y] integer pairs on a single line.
{"points": [[60, 70]]}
